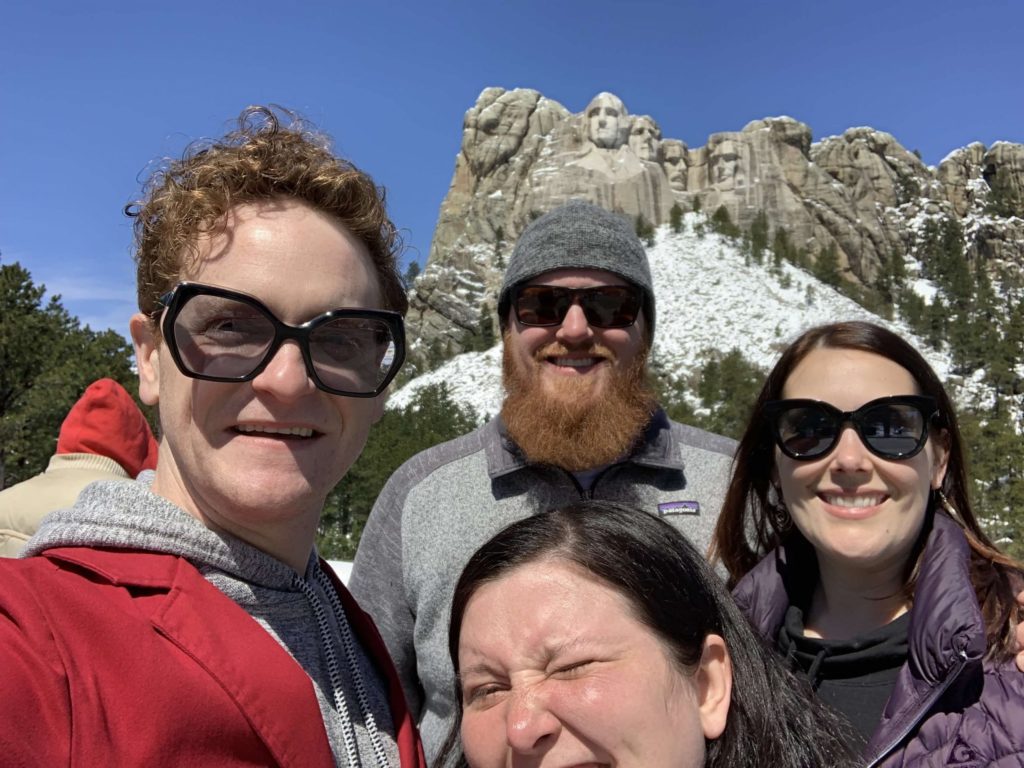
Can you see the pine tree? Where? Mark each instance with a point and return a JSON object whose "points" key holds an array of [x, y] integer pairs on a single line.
{"points": [[412, 271], [781, 249], [1003, 199], [759, 236], [644, 230], [826, 266], [935, 322], [728, 388], [47, 359], [995, 455], [675, 218], [431, 418], [721, 222], [499, 247]]}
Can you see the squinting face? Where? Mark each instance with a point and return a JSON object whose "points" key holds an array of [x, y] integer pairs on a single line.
{"points": [[258, 458], [858, 510], [555, 670], [573, 359]]}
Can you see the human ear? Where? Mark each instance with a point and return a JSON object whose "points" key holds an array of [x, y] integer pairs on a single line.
{"points": [[147, 357], [940, 458], [378, 405], [714, 686]]}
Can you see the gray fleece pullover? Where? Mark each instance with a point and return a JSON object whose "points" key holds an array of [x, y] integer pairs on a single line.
{"points": [[127, 515], [443, 503]]}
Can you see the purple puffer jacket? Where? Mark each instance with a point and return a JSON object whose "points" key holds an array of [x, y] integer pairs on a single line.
{"points": [[948, 708]]}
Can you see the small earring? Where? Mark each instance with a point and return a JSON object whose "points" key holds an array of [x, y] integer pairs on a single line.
{"points": [[778, 515], [947, 505]]}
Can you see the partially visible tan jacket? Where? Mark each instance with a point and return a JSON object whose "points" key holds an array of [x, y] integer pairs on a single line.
{"points": [[25, 504]]}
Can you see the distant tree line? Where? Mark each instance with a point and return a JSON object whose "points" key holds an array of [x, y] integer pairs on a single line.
{"points": [[431, 417], [47, 359]]}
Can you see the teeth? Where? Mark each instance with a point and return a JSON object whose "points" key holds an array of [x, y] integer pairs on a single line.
{"points": [[853, 501], [297, 431], [575, 362]]}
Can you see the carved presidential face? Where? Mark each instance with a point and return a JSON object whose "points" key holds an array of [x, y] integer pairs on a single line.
{"points": [[606, 121], [727, 167], [673, 157], [644, 137]]}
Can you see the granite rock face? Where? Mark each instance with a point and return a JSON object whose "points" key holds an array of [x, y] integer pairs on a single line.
{"points": [[862, 192]]}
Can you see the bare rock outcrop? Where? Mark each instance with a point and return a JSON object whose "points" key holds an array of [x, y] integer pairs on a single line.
{"points": [[861, 193]]}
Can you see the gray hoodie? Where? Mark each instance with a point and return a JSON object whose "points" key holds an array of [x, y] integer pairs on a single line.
{"points": [[302, 613]]}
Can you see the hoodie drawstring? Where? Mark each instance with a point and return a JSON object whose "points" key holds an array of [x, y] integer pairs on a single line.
{"points": [[333, 670]]}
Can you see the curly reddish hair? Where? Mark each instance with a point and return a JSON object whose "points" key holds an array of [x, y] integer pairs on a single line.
{"points": [[262, 159]]}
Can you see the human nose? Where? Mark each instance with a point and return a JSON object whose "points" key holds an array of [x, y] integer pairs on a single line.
{"points": [[286, 376], [530, 726], [574, 327], [850, 455]]}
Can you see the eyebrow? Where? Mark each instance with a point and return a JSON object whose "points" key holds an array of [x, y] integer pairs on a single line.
{"points": [[550, 652], [481, 668]]}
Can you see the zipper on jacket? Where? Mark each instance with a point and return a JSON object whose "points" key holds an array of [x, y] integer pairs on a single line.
{"points": [[588, 493], [923, 710]]}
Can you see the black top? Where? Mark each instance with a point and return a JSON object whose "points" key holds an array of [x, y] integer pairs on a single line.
{"points": [[853, 676]]}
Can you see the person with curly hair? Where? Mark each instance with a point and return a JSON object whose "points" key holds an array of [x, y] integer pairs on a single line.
{"points": [[185, 618], [849, 534]]}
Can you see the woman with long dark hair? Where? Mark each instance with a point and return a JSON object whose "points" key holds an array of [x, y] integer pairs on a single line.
{"points": [[597, 635], [848, 532]]}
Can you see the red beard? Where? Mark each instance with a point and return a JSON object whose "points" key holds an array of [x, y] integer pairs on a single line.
{"points": [[581, 425]]}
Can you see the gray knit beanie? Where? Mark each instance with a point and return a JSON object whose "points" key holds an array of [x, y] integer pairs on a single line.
{"points": [[579, 235]]}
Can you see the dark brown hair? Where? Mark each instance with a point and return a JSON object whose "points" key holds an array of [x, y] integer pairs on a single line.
{"points": [[673, 591], [260, 160], [749, 527]]}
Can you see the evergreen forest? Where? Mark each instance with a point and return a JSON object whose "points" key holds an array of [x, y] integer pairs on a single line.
{"points": [[47, 358]]}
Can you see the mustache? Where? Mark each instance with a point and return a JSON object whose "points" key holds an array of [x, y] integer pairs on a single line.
{"points": [[558, 349]]}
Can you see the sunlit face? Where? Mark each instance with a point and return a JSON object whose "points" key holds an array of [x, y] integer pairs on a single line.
{"points": [[565, 355], [226, 455], [644, 135], [726, 165], [675, 164], [556, 670], [604, 114], [854, 507]]}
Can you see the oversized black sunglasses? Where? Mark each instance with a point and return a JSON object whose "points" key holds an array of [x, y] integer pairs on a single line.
{"points": [[892, 428], [605, 306], [216, 334]]}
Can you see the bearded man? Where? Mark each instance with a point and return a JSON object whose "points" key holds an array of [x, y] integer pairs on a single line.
{"points": [[580, 420]]}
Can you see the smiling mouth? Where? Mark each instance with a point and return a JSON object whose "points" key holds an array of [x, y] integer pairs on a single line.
{"points": [[250, 429], [853, 502], [575, 362]]}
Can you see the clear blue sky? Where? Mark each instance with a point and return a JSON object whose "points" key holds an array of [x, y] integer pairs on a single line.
{"points": [[91, 93]]}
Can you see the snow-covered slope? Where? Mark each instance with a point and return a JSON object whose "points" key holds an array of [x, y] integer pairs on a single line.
{"points": [[707, 297]]}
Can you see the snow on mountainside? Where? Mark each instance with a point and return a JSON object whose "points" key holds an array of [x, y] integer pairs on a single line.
{"points": [[707, 298]]}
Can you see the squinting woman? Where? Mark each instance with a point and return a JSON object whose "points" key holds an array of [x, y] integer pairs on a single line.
{"points": [[597, 635]]}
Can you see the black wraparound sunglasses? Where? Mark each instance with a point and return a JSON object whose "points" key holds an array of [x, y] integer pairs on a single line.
{"points": [[605, 306], [892, 428], [216, 334]]}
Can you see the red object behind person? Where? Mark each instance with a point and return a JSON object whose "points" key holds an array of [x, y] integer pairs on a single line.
{"points": [[103, 437], [106, 422]]}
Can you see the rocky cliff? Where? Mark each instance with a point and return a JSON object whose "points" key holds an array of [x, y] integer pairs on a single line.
{"points": [[860, 195]]}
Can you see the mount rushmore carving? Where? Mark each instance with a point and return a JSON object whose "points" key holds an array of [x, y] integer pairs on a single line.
{"points": [[523, 154]]}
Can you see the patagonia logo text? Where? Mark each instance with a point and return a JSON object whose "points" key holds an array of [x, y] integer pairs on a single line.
{"points": [[679, 508]]}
